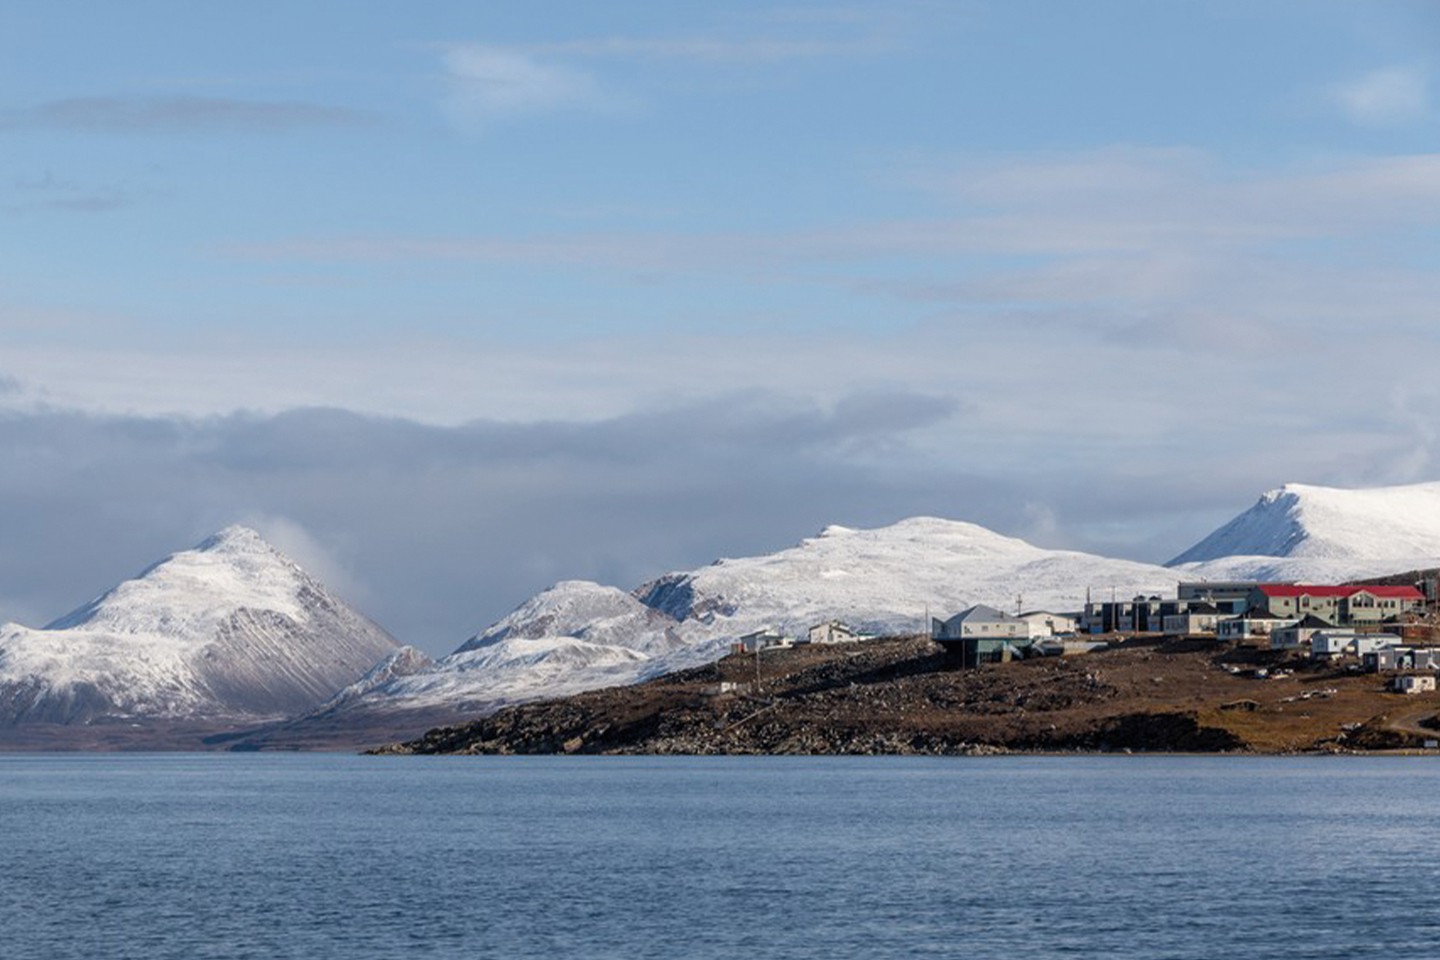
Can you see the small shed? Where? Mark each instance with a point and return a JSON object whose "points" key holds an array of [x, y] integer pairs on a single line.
{"points": [[1413, 683]]}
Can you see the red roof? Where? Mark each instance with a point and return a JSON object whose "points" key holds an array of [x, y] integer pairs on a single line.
{"points": [[1316, 590]]}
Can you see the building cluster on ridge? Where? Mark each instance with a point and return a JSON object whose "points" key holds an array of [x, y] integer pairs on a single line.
{"points": [[1371, 623], [830, 631]]}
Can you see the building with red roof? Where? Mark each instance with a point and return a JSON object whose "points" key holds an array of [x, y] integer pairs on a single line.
{"points": [[1339, 605]]}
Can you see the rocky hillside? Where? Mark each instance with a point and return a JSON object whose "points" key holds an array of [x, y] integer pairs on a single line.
{"points": [[899, 696]]}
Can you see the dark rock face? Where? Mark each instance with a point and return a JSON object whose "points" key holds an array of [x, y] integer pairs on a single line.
{"points": [[34, 702], [672, 594]]}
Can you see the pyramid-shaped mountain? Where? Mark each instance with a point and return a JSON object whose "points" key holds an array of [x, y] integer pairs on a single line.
{"points": [[229, 630]]}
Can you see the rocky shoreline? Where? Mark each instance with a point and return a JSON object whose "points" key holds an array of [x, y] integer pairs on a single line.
{"points": [[900, 696]]}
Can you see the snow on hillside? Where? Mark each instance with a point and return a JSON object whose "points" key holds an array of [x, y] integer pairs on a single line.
{"points": [[229, 628], [1299, 520], [586, 611], [578, 636], [886, 580], [1323, 534], [575, 636], [514, 670]]}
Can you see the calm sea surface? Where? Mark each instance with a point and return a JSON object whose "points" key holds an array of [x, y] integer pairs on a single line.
{"points": [[322, 856]]}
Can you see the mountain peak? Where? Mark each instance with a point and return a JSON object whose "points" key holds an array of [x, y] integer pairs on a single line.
{"points": [[1394, 523], [227, 570], [235, 535], [230, 626]]}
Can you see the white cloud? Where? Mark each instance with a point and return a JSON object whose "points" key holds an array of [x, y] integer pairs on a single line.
{"points": [[1393, 95], [487, 83], [1127, 264], [717, 50], [299, 544]]}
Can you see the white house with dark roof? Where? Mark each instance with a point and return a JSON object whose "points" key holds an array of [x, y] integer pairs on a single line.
{"points": [[1298, 634], [980, 621]]}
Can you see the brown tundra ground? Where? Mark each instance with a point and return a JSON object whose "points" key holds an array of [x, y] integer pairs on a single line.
{"points": [[902, 696]]}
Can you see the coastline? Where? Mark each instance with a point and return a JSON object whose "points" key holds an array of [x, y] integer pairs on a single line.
{"points": [[900, 696]]}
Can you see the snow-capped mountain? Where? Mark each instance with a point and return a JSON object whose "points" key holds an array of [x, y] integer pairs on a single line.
{"points": [[887, 580], [579, 636], [229, 629], [574, 636], [584, 611], [1323, 534]]}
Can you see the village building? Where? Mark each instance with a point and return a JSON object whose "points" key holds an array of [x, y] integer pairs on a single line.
{"points": [[1139, 614], [1333, 644], [1229, 597], [1043, 623], [1341, 605], [831, 631], [1298, 634], [1413, 683], [980, 621], [1254, 622], [1191, 618], [761, 640], [1255, 609], [982, 634], [1394, 657]]}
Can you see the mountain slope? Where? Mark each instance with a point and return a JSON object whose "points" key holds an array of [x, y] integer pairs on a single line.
{"points": [[230, 628], [578, 636], [1304, 532], [574, 636], [885, 580]]}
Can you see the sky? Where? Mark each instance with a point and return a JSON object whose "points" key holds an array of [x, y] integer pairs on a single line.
{"points": [[452, 301]]}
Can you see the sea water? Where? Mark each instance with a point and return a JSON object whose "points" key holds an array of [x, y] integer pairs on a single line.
{"points": [[321, 856]]}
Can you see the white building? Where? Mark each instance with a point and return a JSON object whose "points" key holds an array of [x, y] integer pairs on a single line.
{"points": [[1330, 644], [832, 631], [1252, 623], [762, 640], [1413, 683], [1043, 623], [977, 622], [1199, 616], [1298, 634]]}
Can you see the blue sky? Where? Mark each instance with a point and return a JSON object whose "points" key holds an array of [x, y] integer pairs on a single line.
{"points": [[460, 299]]}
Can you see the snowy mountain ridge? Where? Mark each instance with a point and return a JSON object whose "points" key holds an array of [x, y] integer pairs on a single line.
{"points": [[579, 635]]}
